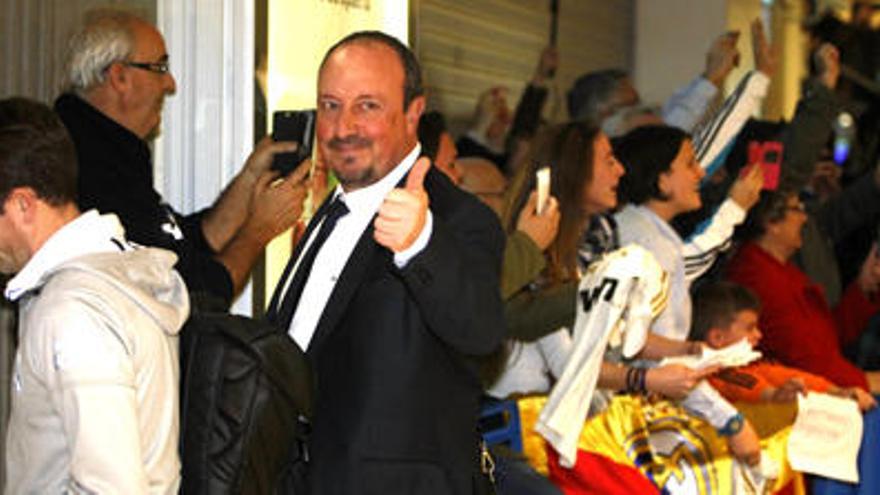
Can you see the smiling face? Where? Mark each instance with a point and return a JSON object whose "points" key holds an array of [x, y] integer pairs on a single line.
{"points": [[600, 194], [681, 184], [363, 131], [787, 232]]}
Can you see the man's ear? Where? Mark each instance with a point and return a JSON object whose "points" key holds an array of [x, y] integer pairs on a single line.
{"points": [[414, 113], [116, 77]]}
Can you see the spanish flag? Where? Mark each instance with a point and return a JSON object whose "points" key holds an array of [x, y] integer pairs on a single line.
{"points": [[646, 447]]}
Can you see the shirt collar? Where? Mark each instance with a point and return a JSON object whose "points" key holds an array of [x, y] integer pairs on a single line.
{"points": [[88, 233], [367, 200]]}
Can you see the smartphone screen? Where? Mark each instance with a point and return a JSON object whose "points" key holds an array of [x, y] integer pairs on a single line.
{"points": [[542, 177], [293, 125]]}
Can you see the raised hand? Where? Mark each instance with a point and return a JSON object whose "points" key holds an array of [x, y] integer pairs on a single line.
{"points": [[542, 228], [404, 211], [276, 203], [765, 56], [747, 189], [260, 159], [548, 62], [722, 58]]}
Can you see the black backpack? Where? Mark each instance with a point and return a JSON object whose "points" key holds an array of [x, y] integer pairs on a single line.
{"points": [[245, 384]]}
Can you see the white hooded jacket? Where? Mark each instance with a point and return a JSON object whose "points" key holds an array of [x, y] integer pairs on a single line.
{"points": [[95, 384]]}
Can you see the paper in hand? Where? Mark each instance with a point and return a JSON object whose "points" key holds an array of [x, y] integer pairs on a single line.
{"points": [[737, 354], [826, 436]]}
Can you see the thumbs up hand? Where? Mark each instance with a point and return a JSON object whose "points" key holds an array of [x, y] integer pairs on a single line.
{"points": [[404, 211]]}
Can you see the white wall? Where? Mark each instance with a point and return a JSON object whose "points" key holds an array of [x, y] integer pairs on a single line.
{"points": [[467, 47], [33, 40], [207, 127], [671, 41]]}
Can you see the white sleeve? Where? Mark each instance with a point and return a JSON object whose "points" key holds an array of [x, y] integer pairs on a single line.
{"points": [[555, 349], [687, 106], [711, 139], [403, 257], [705, 402], [703, 247], [90, 374]]}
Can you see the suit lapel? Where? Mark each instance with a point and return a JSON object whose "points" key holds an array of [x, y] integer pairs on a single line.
{"points": [[362, 257], [349, 280], [272, 312]]}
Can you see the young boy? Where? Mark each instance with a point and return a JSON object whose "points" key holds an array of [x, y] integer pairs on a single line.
{"points": [[725, 313]]}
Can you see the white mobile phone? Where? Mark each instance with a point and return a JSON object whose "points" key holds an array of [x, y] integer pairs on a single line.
{"points": [[542, 176]]}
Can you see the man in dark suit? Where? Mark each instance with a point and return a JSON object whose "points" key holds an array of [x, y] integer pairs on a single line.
{"points": [[402, 298]]}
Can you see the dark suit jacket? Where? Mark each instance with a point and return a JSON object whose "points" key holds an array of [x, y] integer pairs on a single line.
{"points": [[394, 358]]}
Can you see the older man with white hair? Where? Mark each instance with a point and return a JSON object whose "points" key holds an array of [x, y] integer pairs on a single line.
{"points": [[117, 79]]}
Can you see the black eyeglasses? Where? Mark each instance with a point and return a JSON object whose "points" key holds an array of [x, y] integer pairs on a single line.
{"points": [[157, 67]]}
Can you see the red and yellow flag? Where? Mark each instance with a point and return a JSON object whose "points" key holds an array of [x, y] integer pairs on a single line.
{"points": [[638, 446]]}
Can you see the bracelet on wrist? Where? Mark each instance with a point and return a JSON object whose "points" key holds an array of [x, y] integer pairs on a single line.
{"points": [[635, 381], [629, 383], [643, 376]]}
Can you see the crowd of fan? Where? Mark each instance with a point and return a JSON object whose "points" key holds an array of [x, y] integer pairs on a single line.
{"points": [[790, 266]]}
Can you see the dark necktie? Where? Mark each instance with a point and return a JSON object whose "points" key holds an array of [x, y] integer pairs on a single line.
{"points": [[335, 211]]}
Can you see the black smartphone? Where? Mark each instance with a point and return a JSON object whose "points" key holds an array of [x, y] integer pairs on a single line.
{"points": [[293, 125]]}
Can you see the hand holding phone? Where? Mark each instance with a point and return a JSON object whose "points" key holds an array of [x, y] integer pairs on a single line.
{"points": [[768, 156], [298, 126], [542, 177]]}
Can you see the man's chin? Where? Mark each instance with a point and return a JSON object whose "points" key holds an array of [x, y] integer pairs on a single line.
{"points": [[353, 177], [154, 133]]}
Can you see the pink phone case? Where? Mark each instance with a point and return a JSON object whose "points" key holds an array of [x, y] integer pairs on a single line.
{"points": [[758, 154]]}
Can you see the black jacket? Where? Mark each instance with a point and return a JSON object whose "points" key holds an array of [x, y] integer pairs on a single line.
{"points": [[393, 357], [116, 176]]}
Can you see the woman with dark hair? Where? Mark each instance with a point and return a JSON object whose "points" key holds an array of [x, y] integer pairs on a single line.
{"points": [[662, 181], [800, 328]]}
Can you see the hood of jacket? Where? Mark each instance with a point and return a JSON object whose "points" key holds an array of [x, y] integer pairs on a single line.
{"points": [[146, 276]]}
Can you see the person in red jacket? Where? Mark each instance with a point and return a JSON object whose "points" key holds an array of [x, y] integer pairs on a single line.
{"points": [[800, 329]]}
